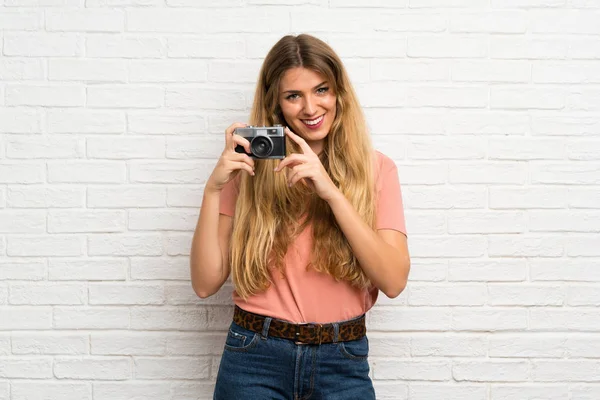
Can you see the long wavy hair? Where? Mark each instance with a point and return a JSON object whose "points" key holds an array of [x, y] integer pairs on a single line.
{"points": [[269, 215]]}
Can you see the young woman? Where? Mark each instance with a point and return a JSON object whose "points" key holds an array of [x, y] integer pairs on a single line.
{"points": [[309, 240]]}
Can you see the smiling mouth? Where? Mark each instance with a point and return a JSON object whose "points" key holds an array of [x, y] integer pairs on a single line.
{"points": [[313, 122]]}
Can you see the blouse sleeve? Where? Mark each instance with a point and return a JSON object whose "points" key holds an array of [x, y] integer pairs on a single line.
{"points": [[390, 208]]}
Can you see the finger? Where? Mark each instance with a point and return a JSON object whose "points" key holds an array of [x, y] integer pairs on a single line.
{"points": [[242, 141], [299, 172], [292, 160], [238, 165], [230, 129], [301, 142], [243, 158]]}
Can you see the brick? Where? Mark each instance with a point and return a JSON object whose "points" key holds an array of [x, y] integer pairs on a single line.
{"points": [[566, 72], [30, 270], [41, 390], [34, 196], [564, 270], [443, 345], [125, 96], [172, 367], [92, 269], [22, 221], [565, 173], [518, 392], [496, 319], [48, 294], [565, 371], [491, 71], [450, 246], [460, 222], [153, 268], [582, 22], [86, 172], [52, 147], [125, 148], [21, 69], [410, 319], [178, 245], [516, 98], [486, 270], [25, 318], [126, 294], [526, 245], [82, 121], [572, 126], [508, 22], [410, 370], [85, 20], [174, 220], [128, 343], [209, 46], [530, 198], [88, 70], [529, 48], [75, 221], [96, 368], [128, 47], [125, 245], [567, 319], [42, 44], [439, 295], [48, 245], [31, 368], [18, 120], [192, 98], [168, 318], [50, 343], [171, 172], [126, 196], [459, 97], [422, 391], [45, 95], [90, 318], [130, 390], [165, 123], [446, 47], [174, 71], [490, 371]]}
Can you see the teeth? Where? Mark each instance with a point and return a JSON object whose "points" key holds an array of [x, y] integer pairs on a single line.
{"points": [[314, 121]]}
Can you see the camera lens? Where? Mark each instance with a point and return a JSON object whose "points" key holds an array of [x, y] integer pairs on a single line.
{"points": [[261, 146]]}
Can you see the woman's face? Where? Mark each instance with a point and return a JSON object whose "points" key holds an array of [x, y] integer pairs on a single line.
{"points": [[308, 104]]}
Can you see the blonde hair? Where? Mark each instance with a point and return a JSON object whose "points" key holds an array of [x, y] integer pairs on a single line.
{"points": [[269, 215]]}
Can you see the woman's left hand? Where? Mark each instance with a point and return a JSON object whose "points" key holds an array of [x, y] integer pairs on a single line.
{"points": [[307, 166]]}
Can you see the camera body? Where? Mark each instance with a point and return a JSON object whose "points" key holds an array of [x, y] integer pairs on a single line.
{"points": [[265, 141]]}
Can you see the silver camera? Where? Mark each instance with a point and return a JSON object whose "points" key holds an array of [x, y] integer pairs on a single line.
{"points": [[265, 141]]}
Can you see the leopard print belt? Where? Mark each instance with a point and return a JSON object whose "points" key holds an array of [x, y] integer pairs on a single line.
{"points": [[308, 333]]}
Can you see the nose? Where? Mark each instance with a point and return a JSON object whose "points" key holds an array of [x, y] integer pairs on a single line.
{"points": [[310, 107]]}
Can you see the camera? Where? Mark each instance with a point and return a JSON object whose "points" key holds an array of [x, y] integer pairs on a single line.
{"points": [[265, 141]]}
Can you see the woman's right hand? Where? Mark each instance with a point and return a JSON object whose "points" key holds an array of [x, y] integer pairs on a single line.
{"points": [[230, 163]]}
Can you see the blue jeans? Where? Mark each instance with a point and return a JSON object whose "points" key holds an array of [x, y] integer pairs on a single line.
{"points": [[257, 367]]}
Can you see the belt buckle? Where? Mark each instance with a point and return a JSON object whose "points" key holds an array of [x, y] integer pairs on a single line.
{"points": [[316, 325]]}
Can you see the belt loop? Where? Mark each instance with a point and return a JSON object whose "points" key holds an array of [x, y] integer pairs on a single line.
{"points": [[266, 325], [336, 331]]}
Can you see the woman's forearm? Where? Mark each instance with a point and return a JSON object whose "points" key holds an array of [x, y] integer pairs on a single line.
{"points": [[386, 266], [206, 257]]}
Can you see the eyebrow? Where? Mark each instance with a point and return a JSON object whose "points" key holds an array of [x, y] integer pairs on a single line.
{"points": [[298, 91]]}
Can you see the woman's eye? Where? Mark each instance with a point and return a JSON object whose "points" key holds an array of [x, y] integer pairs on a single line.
{"points": [[292, 96], [322, 90]]}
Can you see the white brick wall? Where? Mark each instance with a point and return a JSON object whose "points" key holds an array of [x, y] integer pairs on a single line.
{"points": [[111, 116]]}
